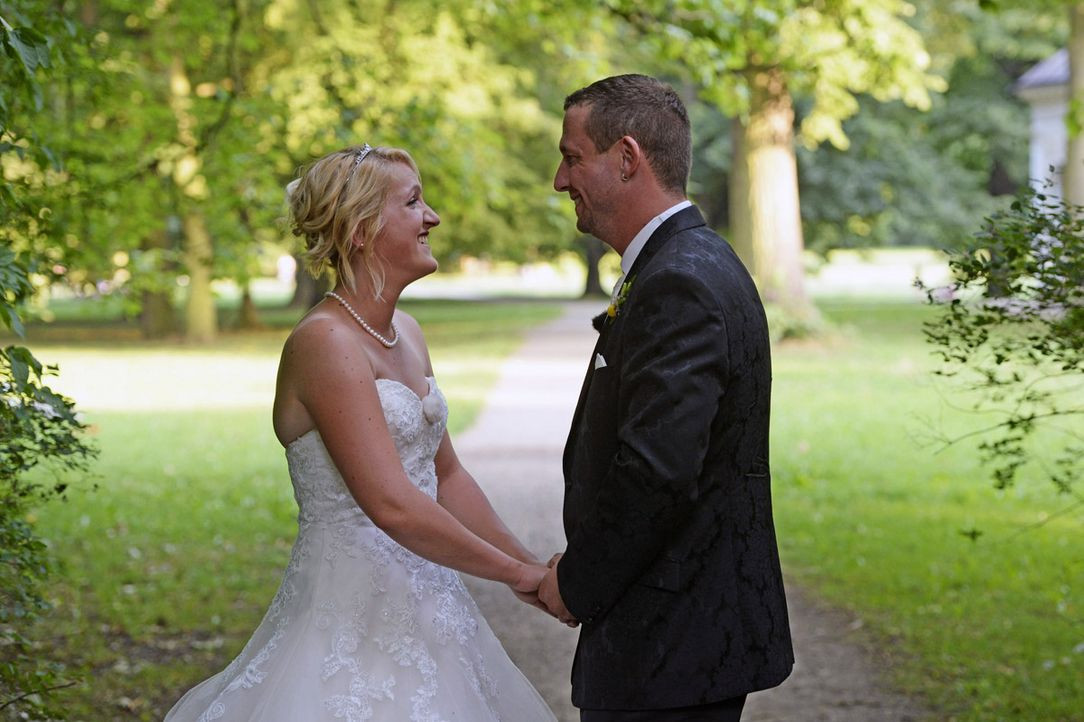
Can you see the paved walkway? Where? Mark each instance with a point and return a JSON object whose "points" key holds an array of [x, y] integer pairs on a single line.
{"points": [[514, 451]]}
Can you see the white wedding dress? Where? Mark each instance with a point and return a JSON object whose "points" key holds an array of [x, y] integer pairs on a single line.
{"points": [[361, 628]]}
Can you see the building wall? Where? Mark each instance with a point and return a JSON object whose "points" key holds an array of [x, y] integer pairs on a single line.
{"points": [[1049, 136]]}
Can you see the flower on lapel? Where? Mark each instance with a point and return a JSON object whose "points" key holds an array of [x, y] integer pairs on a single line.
{"points": [[614, 308]]}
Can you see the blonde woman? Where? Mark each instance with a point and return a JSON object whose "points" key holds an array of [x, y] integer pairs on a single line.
{"points": [[371, 621]]}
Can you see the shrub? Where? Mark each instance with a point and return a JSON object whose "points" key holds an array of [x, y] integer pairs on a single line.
{"points": [[1013, 332], [37, 426]]}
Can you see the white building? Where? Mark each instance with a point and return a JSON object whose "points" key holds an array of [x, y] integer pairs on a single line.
{"points": [[1045, 87]]}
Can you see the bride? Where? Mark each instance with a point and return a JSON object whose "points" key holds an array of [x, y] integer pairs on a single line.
{"points": [[371, 621]]}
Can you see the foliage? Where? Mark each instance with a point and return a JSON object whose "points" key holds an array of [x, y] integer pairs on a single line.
{"points": [[900, 183], [830, 52], [418, 75], [930, 178], [37, 425], [26, 49], [201, 109], [1013, 330], [908, 176], [163, 111]]}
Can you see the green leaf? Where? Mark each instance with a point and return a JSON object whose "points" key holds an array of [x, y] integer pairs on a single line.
{"points": [[13, 322], [32, 47], [20, 372]]}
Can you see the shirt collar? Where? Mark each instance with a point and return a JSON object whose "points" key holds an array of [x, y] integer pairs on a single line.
{"points": [[640, 239]]}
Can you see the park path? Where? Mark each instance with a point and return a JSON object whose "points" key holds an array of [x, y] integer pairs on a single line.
{"points": [[514, 451]]}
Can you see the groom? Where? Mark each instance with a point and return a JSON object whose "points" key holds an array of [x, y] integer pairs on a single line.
{"points": [[671, 565]]}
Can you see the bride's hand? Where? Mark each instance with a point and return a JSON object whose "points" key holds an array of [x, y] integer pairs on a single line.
{"points": [[528, 578], [526, 587]]}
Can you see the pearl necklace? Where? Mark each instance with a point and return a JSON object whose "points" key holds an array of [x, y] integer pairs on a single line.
{"points": [[361, 321]]}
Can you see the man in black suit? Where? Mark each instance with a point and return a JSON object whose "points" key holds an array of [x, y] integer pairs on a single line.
{"points": [[671, 565]]}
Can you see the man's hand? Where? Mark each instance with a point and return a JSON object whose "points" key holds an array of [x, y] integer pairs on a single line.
{"points": [[550, 595]]}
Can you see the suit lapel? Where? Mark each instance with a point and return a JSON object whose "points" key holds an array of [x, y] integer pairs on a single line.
{"points": [[683, 220], [578, 414]]}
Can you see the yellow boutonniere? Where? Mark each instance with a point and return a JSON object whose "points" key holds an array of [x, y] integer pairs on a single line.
{"points": [[615, 308]]}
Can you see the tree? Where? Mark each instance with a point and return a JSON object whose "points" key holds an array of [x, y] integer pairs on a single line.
{"points": [[178, 157], [190, 71], [752, 59]]}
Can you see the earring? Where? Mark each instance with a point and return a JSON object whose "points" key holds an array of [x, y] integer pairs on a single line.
{"points": [[624, 177]]}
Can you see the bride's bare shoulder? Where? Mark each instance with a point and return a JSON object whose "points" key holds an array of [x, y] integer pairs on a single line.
{"points": [[321, 338]]}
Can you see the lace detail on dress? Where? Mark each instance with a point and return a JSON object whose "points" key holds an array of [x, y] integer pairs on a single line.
{"points": [[364, 688]]}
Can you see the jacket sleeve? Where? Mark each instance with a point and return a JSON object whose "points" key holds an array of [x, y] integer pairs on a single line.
{"points": [[672, 377]]}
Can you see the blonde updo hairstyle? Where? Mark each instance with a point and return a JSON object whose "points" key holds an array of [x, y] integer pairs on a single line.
{"points": [[332, 202]]}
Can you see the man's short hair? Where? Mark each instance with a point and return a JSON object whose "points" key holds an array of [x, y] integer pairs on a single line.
{"points": [[645, 109]]}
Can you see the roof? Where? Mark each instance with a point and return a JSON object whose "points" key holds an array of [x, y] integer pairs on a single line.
{"points": [[1052, 71]]}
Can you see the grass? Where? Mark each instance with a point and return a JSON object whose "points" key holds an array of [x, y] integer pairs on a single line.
{"points": [[169, 564], [871, 516]]}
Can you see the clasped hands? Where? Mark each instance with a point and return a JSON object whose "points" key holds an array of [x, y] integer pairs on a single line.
{"points": [[538, 587]]}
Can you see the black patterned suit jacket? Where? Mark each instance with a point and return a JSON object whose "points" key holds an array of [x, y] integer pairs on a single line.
{"points": [[672, 565]]}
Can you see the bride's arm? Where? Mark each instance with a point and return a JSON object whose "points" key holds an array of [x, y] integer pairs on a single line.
{"points": [[334, 381], [459, 493]]}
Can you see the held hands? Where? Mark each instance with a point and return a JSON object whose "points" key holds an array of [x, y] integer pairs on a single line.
{"points": [[528, 588], [550, 595], [526, 585]]}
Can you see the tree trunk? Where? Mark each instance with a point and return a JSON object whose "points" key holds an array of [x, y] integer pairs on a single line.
{"points": [[156, 319], [771, 199], [156, 315], [593, 251], [249, 317], [1073, 176], [307, 290], [200, 317], [740, 235]]}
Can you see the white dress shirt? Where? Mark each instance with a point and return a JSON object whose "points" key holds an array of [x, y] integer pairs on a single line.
{"points": [[640, 240]]}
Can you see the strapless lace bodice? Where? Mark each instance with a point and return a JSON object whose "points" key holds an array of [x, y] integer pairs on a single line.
{"points": [[416, 425]]}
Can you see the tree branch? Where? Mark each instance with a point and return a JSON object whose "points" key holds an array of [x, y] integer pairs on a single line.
{"points": [[24, 695], [233, 69]]}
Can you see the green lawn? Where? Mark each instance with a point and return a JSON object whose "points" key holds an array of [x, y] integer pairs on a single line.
{"points": [[870, 517], [190, 526], [189, 530]]}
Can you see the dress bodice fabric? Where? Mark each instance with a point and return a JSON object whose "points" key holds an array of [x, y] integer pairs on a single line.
{"points": [[321, 495], [361, 628]]}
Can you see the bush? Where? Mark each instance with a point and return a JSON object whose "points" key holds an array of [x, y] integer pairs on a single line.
{"points": [[37, 426], [1013, 331]]}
